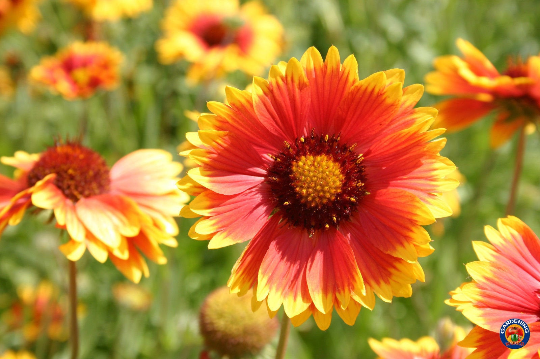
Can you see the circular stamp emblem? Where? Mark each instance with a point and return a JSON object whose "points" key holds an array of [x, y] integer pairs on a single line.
{"points": [[514, 333]]}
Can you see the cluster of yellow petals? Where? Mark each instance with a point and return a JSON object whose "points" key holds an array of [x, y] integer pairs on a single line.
{"points": [[113, 10], [21, 14]]}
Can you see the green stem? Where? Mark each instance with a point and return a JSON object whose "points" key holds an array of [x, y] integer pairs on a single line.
{"points": [[283, 337], [74, 328], [520, 151]]}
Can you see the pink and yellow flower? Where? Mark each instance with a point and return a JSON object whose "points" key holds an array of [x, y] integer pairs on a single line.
{"points": [[504, 286], [113, 10], [480, 89], [219, 36], [21, 14], [119, 213], [79, 70], [329, 177]]}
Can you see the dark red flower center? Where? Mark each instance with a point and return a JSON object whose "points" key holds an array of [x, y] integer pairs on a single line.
{"points": [[80, 172], [317, 182], [218, 31], [516, 68]]}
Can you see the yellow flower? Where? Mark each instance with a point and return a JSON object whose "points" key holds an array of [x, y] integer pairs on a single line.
{"points": [[17, 355], [113, 10], [6, 83], [132, 296], [219, 36], [79, 70], [21, 14]]}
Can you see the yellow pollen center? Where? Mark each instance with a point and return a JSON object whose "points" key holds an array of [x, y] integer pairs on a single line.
{"points": [[317, 179]]}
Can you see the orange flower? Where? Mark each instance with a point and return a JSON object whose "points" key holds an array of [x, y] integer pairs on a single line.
{"points": [[218, 36], [504, 286], [22, 14], [38, 309], [481, 89], [329, 176], [79, 70], [113, 10], [116, 213]]}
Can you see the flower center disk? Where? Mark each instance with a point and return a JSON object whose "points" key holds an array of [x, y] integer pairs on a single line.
{"points": [[317, 181], [80, 172]]}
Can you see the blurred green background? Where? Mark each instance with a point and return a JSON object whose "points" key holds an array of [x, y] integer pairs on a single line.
{"points": [[147, 111]]}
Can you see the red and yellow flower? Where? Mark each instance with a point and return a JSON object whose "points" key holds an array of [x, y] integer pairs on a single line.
{"points": [[79, 70], [38, 309], [219, 36], [424, 348], [480, 89], [331, 178], [117, 213], [113, 10], [504, 286], [21, 14]]}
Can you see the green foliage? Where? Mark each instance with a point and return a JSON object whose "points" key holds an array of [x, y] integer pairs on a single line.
{"points": [[147, 111]]}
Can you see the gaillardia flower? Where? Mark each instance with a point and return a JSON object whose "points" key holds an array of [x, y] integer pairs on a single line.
{"points": [[113, 10], [329, 176], [480, 89], [424, 348], [115, 213], [230, 327], [79, 70], [21, 14], [504, 286], [38, 310], [219, 36]]}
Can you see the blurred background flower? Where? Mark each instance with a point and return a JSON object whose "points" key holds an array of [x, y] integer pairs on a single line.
{"points": [[79, 70], [514, 94], [38, 310], [10, 354], [113, 10], [425, 347], [231, 328], [132, 296], [220, 36], [20, 14]]}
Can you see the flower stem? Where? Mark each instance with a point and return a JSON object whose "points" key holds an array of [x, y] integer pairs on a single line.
{"points": [[74, 328], [283, 337], [520, 151]]}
